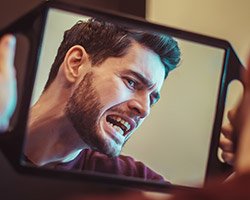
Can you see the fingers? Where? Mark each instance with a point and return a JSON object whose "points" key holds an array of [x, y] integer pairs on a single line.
{"points": [[243, 152], [226, 145], [7, 51], [231, 115], [228, 157], [227, 131], [7, 80], [226, 141]]}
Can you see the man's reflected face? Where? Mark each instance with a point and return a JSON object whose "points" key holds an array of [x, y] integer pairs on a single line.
{"points": [[114, 98]]}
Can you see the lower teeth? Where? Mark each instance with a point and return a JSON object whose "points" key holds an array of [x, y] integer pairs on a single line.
{"points": [[117, 128]]}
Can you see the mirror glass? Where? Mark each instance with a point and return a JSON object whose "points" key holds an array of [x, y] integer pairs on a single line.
{"points": [[173, 141]]}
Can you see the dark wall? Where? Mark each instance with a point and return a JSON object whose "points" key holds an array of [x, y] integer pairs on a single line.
{"points": [[12, 9]]}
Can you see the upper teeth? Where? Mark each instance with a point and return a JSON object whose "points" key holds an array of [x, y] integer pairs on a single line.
{"points": [[125, 123], [118, 121]]}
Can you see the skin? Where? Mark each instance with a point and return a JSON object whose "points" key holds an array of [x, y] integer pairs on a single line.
{"points": [[226, 143], [242, 127], [125, 87], [7, 80], [239, 121]]}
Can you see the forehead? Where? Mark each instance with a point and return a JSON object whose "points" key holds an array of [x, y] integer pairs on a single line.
{"points": [[145, 62]]}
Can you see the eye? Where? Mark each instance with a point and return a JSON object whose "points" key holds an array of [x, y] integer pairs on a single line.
{"points": [[130, 83]]}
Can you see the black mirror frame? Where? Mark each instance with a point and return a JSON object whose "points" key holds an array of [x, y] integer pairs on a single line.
{"points": [[32, 25]]}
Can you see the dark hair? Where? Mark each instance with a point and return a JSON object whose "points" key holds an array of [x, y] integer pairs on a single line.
{"points": [[104, 39]]}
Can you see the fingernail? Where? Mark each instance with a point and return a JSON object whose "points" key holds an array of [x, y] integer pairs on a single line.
{"points": [[11, 41]]}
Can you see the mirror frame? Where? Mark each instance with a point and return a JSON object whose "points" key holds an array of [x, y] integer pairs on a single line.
{"points": [[32, 26]]}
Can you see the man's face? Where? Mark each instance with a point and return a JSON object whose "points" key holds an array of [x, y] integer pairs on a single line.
{"points": [[114, 98]]}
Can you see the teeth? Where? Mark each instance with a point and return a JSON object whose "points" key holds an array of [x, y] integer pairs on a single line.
{"points": [[120, 120], [110, 124], [127, 125], [118, 129]]}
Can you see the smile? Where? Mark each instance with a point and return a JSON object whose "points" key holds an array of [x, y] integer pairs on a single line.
{"points": [[121, 125]]}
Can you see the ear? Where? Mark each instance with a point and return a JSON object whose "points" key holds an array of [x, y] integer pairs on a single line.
{"points": [[73, 63]]}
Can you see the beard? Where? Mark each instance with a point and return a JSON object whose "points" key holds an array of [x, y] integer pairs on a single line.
{"points": [[83, 109]]}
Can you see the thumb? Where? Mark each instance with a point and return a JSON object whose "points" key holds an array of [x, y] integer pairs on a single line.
{"points": [[7, 52], [7, 80]]}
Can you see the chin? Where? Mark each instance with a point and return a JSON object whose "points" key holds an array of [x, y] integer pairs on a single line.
{"points": [[113, 154], [107, 143], [111, 149]]}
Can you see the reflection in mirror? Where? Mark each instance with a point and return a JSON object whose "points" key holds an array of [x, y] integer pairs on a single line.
{"points": [[106, 81]]}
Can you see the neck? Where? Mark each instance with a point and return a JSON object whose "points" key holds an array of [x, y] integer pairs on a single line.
{"points": [[51, 137]]}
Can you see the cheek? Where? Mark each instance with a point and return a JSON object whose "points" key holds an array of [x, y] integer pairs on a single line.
{"points": [[113, 93]]}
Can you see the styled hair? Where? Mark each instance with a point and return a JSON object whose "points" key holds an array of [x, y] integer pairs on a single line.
{"points": [[102, 40]]}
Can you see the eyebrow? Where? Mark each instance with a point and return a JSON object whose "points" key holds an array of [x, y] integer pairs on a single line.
{"points": [[145, 82], [141, 78]]}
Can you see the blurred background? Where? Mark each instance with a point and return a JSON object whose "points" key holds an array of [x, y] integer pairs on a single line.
{"points": [[219, 18], [224, 19]]}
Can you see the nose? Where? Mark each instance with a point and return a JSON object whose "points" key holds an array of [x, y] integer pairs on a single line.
{"points": [[140, 106]]}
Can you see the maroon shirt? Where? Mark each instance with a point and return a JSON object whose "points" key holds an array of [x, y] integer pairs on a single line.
{"points": [[122, 165]]}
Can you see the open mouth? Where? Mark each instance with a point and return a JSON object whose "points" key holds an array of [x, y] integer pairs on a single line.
{"points": [[119, 124]]}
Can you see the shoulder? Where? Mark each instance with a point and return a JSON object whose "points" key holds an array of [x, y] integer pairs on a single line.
{"points": [[121, 165]]}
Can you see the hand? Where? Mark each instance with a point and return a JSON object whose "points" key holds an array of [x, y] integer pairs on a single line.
{"points": [[7, 80], [226, 138], [243, 127]]}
